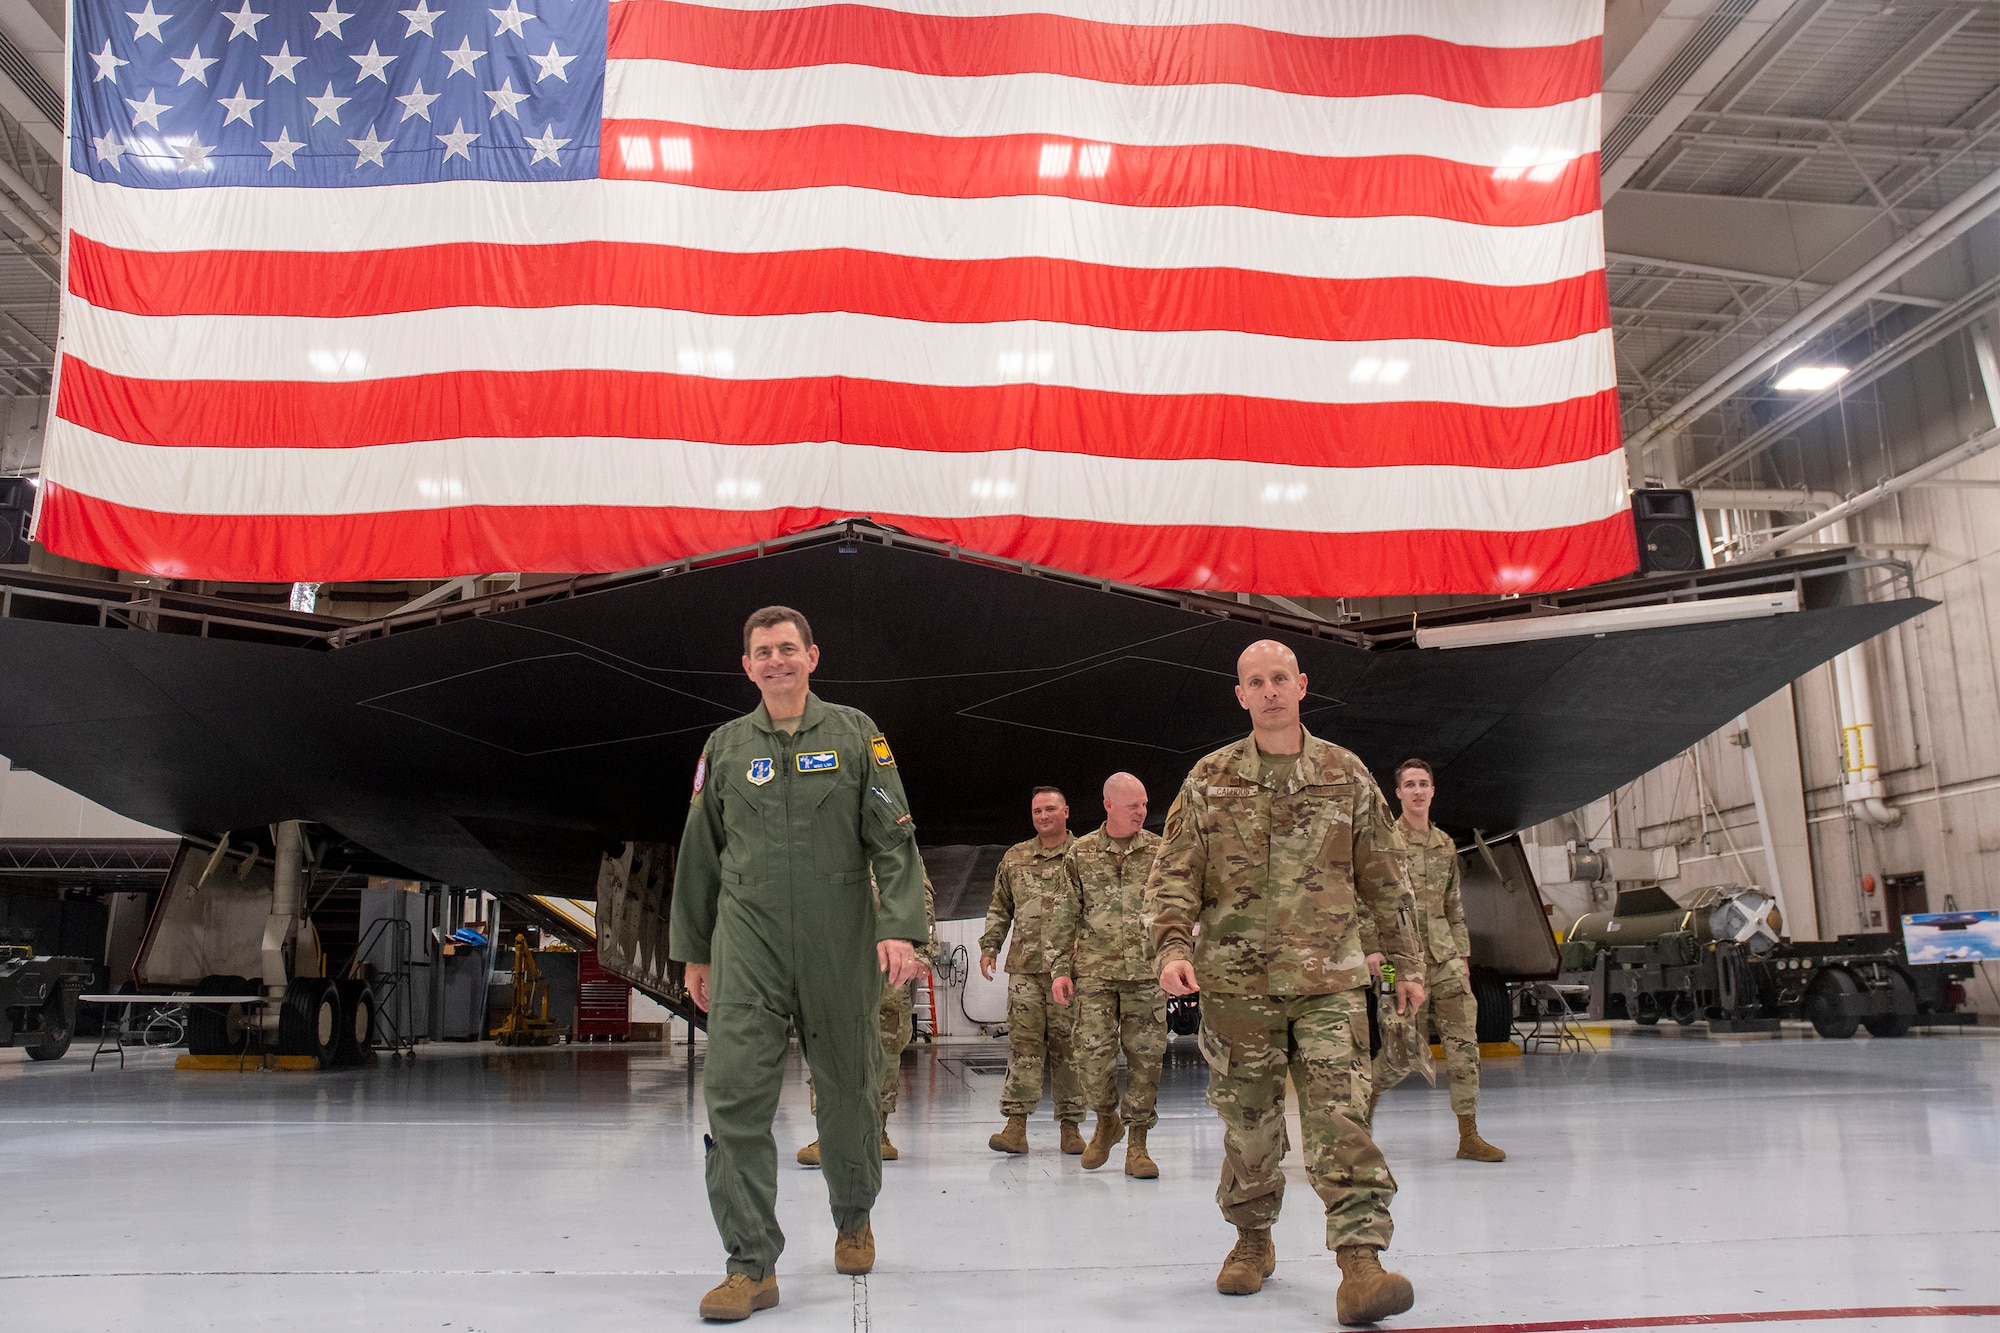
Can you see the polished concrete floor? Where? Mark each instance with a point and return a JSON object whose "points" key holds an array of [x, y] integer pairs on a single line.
{"points": [[482, 1191]]}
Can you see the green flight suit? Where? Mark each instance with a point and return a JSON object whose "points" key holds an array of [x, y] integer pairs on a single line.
{"points": [[772, 889]]}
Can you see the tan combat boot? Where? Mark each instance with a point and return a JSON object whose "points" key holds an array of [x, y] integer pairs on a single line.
{"points": [[889, 1153], [1072, 1139], [1473, 1148], [854, 1251], [1139, 1162], [1109, 1130], [1250, 1261], [1366, 1292], [739, 1297], [1014, 1138], [809, 1155]]}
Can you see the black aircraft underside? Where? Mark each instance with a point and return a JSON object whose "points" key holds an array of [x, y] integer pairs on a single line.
{"points": [[504, 745]]}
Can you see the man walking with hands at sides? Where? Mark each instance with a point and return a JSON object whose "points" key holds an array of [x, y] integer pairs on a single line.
{"points": [[1445, 946], [794, 806], [1104, 958], [1276, 846], [1025, 889]]}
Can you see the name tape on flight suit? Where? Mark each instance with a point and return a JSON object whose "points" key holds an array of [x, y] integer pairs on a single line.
{"points": [[819, 761]]}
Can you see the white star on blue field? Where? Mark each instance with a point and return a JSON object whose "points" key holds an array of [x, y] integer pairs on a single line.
{"points": [[179, 93]]}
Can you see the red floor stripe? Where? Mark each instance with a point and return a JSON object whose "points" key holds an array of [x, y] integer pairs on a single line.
{"points": [[1737, 1317]]}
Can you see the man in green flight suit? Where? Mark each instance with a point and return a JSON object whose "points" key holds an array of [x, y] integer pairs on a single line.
{"points": [[1446, 946], [1275, 845], [794, 805]]}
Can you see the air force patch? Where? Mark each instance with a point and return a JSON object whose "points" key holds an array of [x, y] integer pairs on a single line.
{"points": [[761, 772], [819, 761], [700, 775], [879, 747]]}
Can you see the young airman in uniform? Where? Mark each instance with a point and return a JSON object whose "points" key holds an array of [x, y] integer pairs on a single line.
{"points": [[1446, 948]]}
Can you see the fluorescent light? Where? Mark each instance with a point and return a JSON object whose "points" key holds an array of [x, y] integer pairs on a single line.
{"points": [[1810, 379], [1531, 629]]}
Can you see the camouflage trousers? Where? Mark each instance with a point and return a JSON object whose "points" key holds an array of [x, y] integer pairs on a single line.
{"points": [[1451, 1012], [1038, 1032], [897, 1003], [1251, 1042], [1110, 1014]]}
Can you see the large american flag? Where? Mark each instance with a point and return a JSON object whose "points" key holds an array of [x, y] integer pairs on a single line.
{"points": [[1293, 296]]}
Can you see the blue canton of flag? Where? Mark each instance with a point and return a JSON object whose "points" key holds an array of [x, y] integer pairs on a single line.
{"points": [[180, 93]]}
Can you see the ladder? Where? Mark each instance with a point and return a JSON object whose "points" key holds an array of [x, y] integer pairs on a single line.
{"points": [[927, 1004]]}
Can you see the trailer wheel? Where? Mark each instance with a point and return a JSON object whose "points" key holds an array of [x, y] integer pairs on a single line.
{"points": [[1898, 1023], [309, 1023], [215, 1029], [1826, 1007], [58, 1026]]}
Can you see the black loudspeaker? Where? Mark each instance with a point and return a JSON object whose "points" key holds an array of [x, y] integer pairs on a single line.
{"points": [[1669, 532], [17, 505]]}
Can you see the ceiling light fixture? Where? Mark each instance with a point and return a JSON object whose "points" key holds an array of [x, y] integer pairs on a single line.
{"points": [[1810, 379]]}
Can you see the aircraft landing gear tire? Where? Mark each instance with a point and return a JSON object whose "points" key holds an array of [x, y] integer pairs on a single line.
{"points": [[357, 1029], [310, 1021], [214, 1029]]}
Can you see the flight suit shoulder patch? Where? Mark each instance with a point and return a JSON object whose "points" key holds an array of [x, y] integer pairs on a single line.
{"points": [[700, 774], [879, 747], [819, 761]]}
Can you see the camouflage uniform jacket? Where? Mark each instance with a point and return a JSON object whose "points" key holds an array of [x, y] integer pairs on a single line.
{"points": [[1025, 889], [1441, 933], [1100, 922], [1280, 878]]}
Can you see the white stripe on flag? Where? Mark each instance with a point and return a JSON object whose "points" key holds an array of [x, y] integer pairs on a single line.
{"points": [[838, 343], [389, 217], [1502, 23], [1077, 109], [859, 478]]}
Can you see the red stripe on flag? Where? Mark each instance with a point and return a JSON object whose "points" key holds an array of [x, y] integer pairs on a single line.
{"points": [[253, 414], [1167, 176], [217, 282], [987, 45], [473, 539]]}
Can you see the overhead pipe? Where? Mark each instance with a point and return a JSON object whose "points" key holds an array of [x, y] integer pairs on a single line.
{"points": [[1944, 462], [27, 194], [1843, 298], [1775, 501]]}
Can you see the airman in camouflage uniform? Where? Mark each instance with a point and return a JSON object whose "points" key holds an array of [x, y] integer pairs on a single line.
{"points": [[1104, 957], [1025, 890], [1275, 847], [898, 1005], [1447, 947]]}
